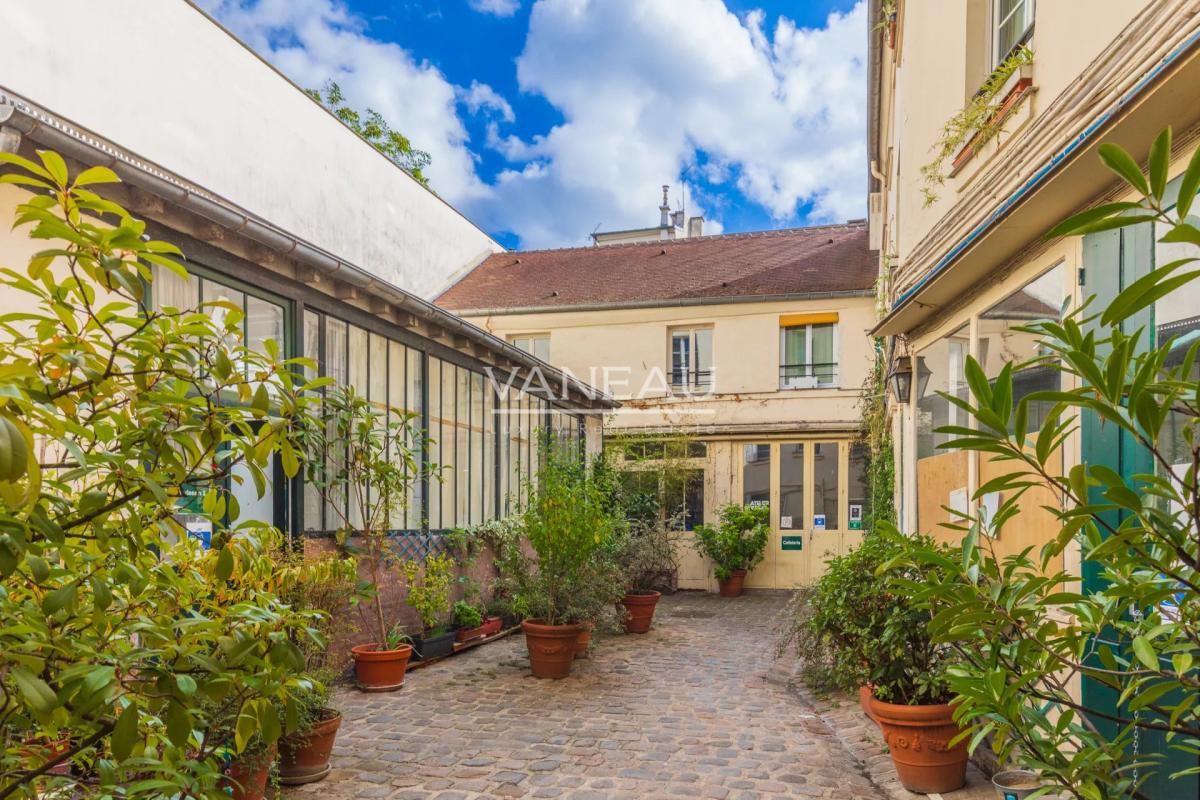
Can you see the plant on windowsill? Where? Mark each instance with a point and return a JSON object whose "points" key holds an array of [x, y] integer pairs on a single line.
{"points": [[979, 121], [1126, 629], [735, 545], [364, 463], [429, 595]]}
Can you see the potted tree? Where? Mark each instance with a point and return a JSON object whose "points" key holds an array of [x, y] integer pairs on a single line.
{"points": [[645, 554], [567, 522], [735, 545], [429, 596], [364, 463], [910, 689]]}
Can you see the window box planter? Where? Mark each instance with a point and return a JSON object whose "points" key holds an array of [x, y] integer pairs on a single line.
{"points": [[464, 635], [429, 647]]}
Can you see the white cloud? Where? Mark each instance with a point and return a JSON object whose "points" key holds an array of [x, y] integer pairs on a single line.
{"points": [[480, 96], [312, 41], [782, 115], [499, 8], [649, 93]]}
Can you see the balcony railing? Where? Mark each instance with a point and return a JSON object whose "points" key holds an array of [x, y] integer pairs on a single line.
{"points": [[699, 380], [808, 376]]}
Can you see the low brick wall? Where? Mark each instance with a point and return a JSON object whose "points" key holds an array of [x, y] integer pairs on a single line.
{"points": [[354, 625]]}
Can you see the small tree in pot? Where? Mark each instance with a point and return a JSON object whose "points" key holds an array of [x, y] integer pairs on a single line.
{"points": [[567, 523], [364, 463], [644, 552], [736, 545]]}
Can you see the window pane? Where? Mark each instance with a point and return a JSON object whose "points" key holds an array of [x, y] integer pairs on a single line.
{"points": [[264, 320], [172, 291], [489, 449], [704, 360], [312, 343], [1012, 20], [335, 349], [449, 444], [681, 358], [756, 474], [412, 403], [434, 433], [358, 359], [466, 469], [791, 486], [395, 400], [824, 359], [825, 483], [794, 355], [377, 370], [541, 348], [479, 471], [941, 474], [859, 488]]}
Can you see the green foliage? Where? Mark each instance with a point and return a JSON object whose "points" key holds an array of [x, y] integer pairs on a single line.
{"points": [[372, 127], [364, 463], [429, 589], [126, 650], [978, 118], [1028, 633], [875, 433], [466, 615], [569, 525], [738, 541]]}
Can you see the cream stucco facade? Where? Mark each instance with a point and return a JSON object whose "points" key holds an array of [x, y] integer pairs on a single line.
{"points": [[760, 441], [1116, 71]]}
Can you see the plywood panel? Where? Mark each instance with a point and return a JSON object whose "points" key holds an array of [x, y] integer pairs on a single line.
{"points": [[937, 477]]}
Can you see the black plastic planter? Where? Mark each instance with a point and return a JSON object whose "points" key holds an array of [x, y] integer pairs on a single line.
{"points": [[425, 648]]}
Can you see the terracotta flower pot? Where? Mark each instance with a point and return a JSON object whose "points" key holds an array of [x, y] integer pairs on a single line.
{"points": [[640, 605], [493, 625], [380, 670], [551, 648], [246, 778], [585, 639], [732, 587], [304, 756], [864, 701], [918, 738]]}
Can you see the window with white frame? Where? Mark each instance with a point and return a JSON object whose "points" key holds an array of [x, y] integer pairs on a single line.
{"points": [[1012, 21], [808, 355], [691, 359], [536, 344]]}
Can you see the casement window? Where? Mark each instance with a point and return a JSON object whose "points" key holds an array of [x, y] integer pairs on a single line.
{"points": [[536, 344], [1012, 22], [808, 351], [691, 359]]}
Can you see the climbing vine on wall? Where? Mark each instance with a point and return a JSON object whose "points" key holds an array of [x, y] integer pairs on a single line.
{"points": [[979, 119], [875, 432]]}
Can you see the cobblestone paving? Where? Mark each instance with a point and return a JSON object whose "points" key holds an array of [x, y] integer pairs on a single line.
{"points": [[697, 708]]}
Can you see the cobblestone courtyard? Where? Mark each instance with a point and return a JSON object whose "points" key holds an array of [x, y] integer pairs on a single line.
{"points": [[697, 708]]}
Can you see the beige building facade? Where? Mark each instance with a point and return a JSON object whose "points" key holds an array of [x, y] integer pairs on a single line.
{"points": [[757, 386], [960, 218]]}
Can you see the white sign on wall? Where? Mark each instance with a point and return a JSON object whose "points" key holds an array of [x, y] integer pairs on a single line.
{"points": [[818, 522]]}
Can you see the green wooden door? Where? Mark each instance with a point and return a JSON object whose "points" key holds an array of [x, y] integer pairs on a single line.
{"points": [[1112, 260]]}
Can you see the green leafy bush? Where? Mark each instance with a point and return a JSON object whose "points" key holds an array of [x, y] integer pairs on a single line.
{"points": [[738, 541], [466, 615], [429, 589], [143, 655]]}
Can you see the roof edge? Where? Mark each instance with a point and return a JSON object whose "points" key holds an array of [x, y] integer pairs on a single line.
{"points": [[668, 303]]}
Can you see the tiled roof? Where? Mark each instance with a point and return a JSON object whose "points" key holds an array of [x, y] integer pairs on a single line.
{"points": [[829, 258]]}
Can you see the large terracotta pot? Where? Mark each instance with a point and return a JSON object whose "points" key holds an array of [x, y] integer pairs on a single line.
{"points": [[864, 700], [918, 738], [585, 639], [246, 778], [380, 670], [304, 756], [733, 586], [551, 647], [640, 605]]}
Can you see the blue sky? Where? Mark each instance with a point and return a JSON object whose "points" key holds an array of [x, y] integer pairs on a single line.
{"points": [[547, 119]]}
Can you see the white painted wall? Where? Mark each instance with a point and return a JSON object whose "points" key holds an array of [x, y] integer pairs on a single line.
{"points": [[158, 78]]}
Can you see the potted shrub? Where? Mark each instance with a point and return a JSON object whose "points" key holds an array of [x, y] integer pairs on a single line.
{"points": [[429, 596], [468, 622], [735, 545], [567, 522], [304, 754], [246, 774], [364, 463], [911, 695], [644, 554]]}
